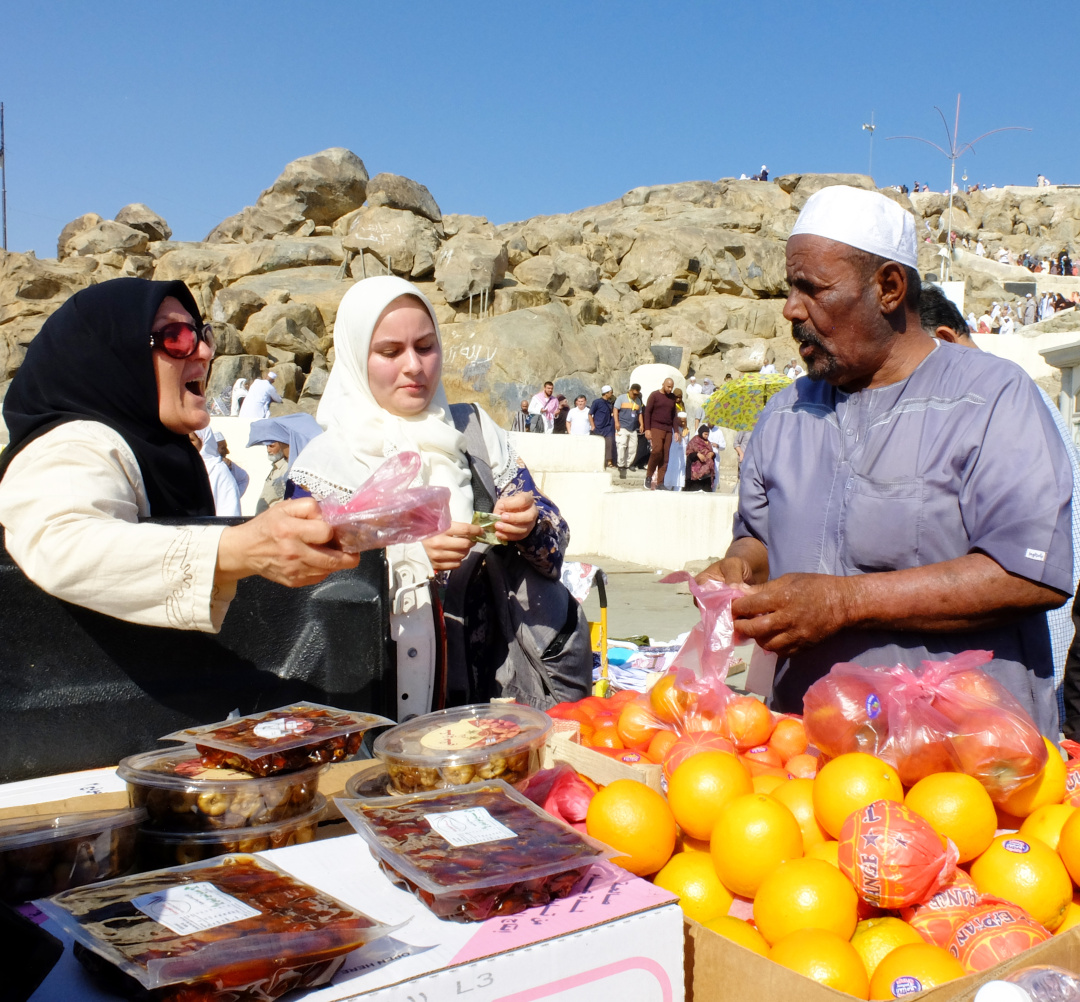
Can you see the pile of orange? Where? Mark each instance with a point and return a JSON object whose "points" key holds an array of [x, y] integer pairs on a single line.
{"points": [[732, 838], [669, 724]]}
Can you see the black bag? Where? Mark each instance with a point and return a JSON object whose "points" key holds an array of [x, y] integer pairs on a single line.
{"points": [[538, 647]]}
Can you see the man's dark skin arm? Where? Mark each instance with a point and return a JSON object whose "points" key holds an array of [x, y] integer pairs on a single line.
{"points": [[797, 611]]}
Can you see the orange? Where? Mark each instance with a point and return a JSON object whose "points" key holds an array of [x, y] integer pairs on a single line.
{"points": [[593, 706], [802, 766], [1028, 873], [700, 788], [1068, 846], [687, 843], [660, 745], [606, 735], [956, 806], [797, 795], [850, 782], [914, 968], [748, 721], [788, 737], [805, 894], [763, 756], [741, 932], [828, 851], [1072, 917], [637, 726], [825, 958], [690, 744], [692, 877], [767, 782], [1045, 823], [753, 835], [1047, 788], [669, 703], [876, 938], [634, 820]]}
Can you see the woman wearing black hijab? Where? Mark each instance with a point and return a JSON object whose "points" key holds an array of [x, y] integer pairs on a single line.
{"points": [[99, 415]]}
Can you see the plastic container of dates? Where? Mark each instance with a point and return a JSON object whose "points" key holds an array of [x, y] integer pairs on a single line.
{"points": [[180, 794], [44, 855], [237, 928], [463, 745], [158, 848], [474, 851], [280, 740]]}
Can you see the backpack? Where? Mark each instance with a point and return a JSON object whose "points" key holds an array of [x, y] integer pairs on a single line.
{"points": [[538, 648]]}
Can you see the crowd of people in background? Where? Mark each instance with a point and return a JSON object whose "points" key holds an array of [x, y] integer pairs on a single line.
{"points": [[664, 435]]}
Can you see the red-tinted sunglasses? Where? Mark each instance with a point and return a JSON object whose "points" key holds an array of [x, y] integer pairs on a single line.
{"points": [[181, 339]]}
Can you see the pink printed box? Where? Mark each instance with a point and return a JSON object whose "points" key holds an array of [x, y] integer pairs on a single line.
{"points": [[618, 938]]}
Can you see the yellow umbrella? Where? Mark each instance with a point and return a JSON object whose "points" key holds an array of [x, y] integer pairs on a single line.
{"points": [[738, 403]]}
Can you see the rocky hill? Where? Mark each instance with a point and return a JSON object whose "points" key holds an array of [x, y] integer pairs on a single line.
{"points": [[690, 273]]}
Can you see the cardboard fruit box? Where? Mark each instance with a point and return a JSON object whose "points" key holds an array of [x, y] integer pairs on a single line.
{"points": [[563, 746], [717, 968]]}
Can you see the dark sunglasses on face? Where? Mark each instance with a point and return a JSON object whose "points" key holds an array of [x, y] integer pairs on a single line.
{"points": [[181, 339]]}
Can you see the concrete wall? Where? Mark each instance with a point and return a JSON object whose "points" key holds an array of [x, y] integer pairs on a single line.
{"points": [[562, 453], [1024, 350]]}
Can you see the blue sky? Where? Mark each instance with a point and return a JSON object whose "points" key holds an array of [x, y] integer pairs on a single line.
{"points": [[511, 110]]}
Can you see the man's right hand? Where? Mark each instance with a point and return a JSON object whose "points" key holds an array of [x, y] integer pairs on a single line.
{"points": [[648, 435]]}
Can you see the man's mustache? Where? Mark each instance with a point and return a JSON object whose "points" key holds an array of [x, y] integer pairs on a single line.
{"points": [[801, 333]]}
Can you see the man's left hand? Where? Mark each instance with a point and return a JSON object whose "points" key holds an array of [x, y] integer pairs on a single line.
{"points": [[517, 516], [794, 612]]}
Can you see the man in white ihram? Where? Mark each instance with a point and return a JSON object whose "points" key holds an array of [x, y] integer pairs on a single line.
{"points": [[256, 404]]}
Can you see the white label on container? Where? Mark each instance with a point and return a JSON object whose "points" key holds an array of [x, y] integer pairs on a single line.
{"points": [[283, 727], [191, 908], [470, 826]]}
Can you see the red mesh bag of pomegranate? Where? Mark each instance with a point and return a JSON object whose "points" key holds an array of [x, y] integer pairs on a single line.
{"points": [[893, 857]]}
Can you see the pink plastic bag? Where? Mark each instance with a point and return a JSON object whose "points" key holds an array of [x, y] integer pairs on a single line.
{"points": [[386, 510], [709, 651], [944, 716]]}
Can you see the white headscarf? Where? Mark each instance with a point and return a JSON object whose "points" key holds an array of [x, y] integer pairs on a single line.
{"points": [[359, 433]]}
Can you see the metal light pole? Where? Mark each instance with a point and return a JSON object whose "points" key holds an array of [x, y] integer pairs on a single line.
{"points": [[3, 176], [869, 127], [955, 151]]}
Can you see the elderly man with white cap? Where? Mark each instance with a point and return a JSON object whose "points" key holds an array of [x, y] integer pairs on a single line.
{"points": [[911, 499]]}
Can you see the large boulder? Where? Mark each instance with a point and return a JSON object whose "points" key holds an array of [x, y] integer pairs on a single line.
{"points": [[583, 274], [290, 380], [321, 286], [227, 369], [235, 305], [76, 226], [107, 236], [541, 272], [398, 238], [500, 361], [750, 357], [312, 191], [262, 256], [31, 290], [396, 192], [142, 217], [302, 314], [226, 339], [469, 263]]}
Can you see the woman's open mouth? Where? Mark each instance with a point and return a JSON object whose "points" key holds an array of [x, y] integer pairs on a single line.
{"points": [[195, 387]]}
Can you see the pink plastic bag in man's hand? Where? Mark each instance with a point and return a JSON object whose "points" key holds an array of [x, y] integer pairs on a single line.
{"points": [[386, 510], [710, 647]]}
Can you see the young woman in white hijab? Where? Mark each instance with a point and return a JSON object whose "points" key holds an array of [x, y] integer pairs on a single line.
{"points": [[385, 396]]}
